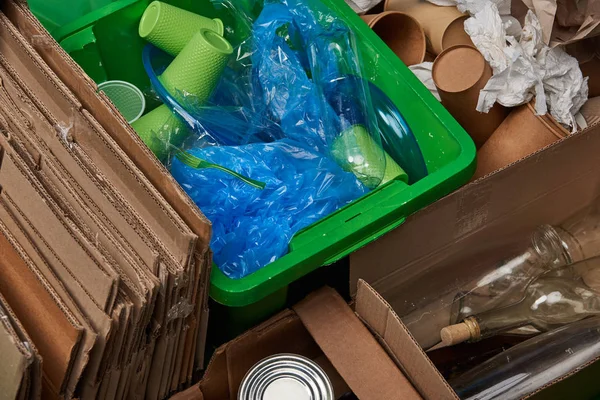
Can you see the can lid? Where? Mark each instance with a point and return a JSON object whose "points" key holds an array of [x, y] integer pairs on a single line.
{"points": [[286, 376]]}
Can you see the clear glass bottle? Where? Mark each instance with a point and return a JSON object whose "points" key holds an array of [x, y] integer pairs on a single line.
{"points": [[551, 247], [532, 364], [557, 297]]}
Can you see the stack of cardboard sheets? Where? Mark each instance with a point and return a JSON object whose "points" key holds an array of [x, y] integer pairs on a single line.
{"points": [[101, 280]]}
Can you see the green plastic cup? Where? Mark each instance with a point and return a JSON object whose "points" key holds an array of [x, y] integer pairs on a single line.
{"points": [[128, 99], [356, 151], [171, 28], [159, 129], [197, 69]]}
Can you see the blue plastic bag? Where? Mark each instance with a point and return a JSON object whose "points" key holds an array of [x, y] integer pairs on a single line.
{"points": [[253, 227]]}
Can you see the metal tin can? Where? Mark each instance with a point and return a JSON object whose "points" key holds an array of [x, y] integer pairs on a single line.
{"points": [[286, 377]]}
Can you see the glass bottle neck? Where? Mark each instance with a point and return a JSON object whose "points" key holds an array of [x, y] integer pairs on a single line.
{"points": [[495, 321], [555, 246]]}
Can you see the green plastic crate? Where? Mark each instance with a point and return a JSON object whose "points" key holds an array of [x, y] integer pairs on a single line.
{"points": [[450, 157], [113, 50]]}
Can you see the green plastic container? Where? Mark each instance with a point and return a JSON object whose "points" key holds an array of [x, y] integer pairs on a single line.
{"points": [[56, 14], [450, 157], [448, 150]]}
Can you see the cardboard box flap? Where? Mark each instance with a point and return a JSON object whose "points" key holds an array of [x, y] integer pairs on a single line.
{"points": [[352, 349], [409, 356]]}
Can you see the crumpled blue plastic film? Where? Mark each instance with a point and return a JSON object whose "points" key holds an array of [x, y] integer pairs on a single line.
{"points": [[253, 227]]}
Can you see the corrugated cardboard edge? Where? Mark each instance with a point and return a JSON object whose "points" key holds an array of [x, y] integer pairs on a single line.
{"points": [[107, 115], [118, 128], [351, 348], [13, 376], [377, 314]]}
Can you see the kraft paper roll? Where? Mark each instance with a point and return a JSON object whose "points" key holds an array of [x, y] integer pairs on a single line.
{"points": [[402, 33], [459, 74], [197, 69], [170, 28], [521, 134], [443, 26]]}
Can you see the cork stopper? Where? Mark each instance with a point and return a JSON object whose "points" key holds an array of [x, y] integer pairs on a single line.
{"points": [[467, 330], [455, 334]]}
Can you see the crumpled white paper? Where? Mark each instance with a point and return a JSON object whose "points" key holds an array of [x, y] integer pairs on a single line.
{"points": [[517, 78], [525, 66], [423, 71], [362, 6]]}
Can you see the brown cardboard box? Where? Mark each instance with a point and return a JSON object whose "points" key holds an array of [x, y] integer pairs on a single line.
{"points": [[321, 327], [442, 246]]}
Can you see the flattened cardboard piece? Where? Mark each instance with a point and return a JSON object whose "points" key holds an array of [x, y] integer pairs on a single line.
{"points": [[61, 247], [139, 283], [409, 356], [61, 107], [336, 329], [96, 185], [13, 369], [87, 202], [120, 131], [183, 293], [54, 329], [40, 267], [20, 371], [34, 374], [19, 189], [8, 81], [108, 116]]}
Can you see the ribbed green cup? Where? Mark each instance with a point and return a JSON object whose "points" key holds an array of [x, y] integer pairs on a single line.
{"points": [[197, 69], [356, 151], [170, 28], [160, 128]]}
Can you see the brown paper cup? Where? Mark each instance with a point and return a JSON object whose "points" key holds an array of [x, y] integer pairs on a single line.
{"points": [[443, 26], [521, 134], [459, 74], [402, 33]]}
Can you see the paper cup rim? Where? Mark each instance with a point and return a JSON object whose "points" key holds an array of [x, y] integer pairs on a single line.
{"points": [[549, 122], [415, 22], [215, 41], [149, 19], [133, 88], [448, 50]]}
